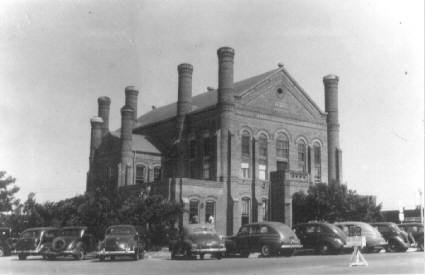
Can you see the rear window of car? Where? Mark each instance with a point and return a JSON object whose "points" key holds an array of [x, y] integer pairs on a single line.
{"points": [[120, 230], [31, 234]]}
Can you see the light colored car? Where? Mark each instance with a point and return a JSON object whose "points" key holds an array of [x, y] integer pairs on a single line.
{"points": [[374, 240]]}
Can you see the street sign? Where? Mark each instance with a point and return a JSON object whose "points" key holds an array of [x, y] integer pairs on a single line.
{"points": [[356, 240]]}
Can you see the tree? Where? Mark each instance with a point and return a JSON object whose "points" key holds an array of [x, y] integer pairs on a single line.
{"points": [[7, 192], [334, 202]]}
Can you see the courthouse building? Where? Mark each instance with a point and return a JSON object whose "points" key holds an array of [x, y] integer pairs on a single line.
{"points": [[236, 153]]}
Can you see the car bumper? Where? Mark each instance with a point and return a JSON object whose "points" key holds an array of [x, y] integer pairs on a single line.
{"points": [[115, 253], [208, 250], [61, 253], [28, 252], [291, 246]]}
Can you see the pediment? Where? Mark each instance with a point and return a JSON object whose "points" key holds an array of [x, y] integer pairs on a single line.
{"points": [[280, 96]]}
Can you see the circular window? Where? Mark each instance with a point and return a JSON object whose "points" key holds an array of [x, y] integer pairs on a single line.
{"points": [[280, 93]]}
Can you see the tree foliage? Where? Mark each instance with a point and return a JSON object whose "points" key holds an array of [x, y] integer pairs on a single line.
{"points": [[334, 202], [7, 192]]}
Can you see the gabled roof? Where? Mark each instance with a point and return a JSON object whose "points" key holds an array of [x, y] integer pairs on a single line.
{"points": [[209, 99]]}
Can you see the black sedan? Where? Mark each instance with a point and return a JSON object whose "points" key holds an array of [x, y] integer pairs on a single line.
{"points": [[33, 241], [121, 240], [396, 238], [197, 239], [268, 238], [415, 233]]}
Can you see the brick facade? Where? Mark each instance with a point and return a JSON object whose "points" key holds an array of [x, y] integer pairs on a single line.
{"points": [[217, 149]]}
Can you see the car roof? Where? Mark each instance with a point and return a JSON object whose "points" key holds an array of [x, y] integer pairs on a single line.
{"points": [[381, 223], [411, 224], [74, 227], [40, 228], [273, 224]]}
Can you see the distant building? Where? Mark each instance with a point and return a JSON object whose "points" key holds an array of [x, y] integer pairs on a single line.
{"points": [[409, 215], [216, 151]]}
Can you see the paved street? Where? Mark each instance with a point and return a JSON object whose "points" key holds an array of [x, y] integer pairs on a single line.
{"points": [[381, 263]]}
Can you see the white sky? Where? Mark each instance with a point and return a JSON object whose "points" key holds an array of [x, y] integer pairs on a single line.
{"points": [[57, 57]]}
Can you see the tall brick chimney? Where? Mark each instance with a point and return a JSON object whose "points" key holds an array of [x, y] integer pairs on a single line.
{"points": [[131, 99], [225, 103], [184, 106], [95, 141], [104, 104], [331, 107], [225, 107], [127, 122]]}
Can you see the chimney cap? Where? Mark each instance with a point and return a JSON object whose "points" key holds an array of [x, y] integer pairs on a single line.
{"points": [[330, 77], [104, 100], [280, 64], [131, 90], [185, 68], [225, 52], [96, 119]]}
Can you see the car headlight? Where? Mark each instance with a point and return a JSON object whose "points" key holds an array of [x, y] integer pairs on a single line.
{"points": [[122, 246], [339, 241]]}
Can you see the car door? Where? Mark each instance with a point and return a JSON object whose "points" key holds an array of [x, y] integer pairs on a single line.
{"points": [[254, 238], [310, 236], [242, 239]]}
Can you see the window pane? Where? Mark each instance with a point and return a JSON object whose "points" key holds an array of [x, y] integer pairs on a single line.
{"points": [[156, 173], [207, 147], [210, 211], [193, 211], [282, 147], [140, 173], [262, 146], [246, 138]]}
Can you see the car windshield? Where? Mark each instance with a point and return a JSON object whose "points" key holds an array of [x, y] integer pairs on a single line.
{"points": [[202, 230], [120, 230], [31, 234], [336, 230], [72, 232]]}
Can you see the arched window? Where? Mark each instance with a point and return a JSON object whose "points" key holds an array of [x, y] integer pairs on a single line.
{"points": [[209, 211], [317, 151], [194, 211], [246, 209], [156, 174], [140, 173], [246, 154], [262, 157], [282, 152], [301, 155]]}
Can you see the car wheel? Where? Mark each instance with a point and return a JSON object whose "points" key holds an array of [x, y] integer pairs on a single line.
{"points": [[421, 247], [266, 251], [2, 252], [391, 247], [101, 258], [22, 256], [324, 249], [79, 255], [136, 255], [218, 256]]}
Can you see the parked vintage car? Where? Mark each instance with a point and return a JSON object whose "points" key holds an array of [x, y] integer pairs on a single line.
{"points": [[121, 240], [323, 237], [396, 238], [415, 232], [374, 240], [7, 241], [197, 239], [268, 238], [33, 241], [73, 241]]}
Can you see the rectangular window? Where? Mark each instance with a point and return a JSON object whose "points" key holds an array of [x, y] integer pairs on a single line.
{"points": [[262, 172], [140, 174], [317, 164], [194, 211], [282, 148], [192, 149], [245, 211], [262, 148], [301, 156], [207, 147], [206, 170], [265, 209], [245, 170], [209, 212], [156, 173], [245, 145]]}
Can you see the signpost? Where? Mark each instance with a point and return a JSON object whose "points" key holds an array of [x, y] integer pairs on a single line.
{"points": [[356, 240]]}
